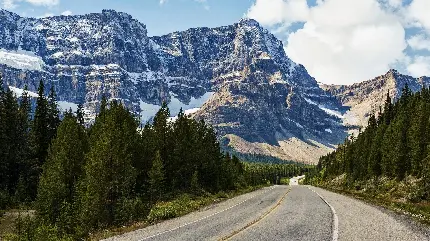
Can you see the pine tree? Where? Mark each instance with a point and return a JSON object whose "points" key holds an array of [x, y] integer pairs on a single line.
{"points": [[195, 185], [39, 140], [156, 178], [146, 154], [53, 114], [163, 139], [26, 154], [61, 172], [3, 148], [388, 110], [182, 163], [14, 140], [109, 174], [80, 114], [209, 156], [40, 127]]}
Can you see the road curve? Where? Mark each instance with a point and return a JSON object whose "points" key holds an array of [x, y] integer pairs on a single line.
{"points": [[360, 221], [215, 222], [286, 213]]}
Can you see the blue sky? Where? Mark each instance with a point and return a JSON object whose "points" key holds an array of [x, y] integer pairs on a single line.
{"points": [[338, 41], [160, 18]]}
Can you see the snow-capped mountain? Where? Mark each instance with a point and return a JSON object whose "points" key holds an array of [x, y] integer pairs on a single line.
{"points": [[236, 77], [365, 98]]}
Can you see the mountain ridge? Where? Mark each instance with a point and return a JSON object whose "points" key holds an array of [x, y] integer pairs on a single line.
{"points": [[236, 77]]}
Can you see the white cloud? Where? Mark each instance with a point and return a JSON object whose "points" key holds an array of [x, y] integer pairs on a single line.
{"points": [[419, 42], [342, 41], [271, 12], [420, 66], [12, 4], [418, 12], [67, 13], [203, 2], [48, 3], [9, 4], [392, 3]]}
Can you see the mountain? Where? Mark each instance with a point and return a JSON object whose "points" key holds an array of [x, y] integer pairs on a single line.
{"points": [[238, 78], [365, 98]]}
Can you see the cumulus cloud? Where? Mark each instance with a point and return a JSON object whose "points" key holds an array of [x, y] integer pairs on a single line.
{"points": [[203, 2], [420, 66], [11, 4], [271, 12], [67, 13], [418, 12], [419, 42], [342, 41], [48, 3]]}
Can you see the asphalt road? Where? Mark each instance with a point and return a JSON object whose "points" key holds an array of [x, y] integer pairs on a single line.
{"points": [[286, 213]]}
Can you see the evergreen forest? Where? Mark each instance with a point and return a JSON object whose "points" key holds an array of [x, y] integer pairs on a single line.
{"points": [[390, 158], [81, 178]]}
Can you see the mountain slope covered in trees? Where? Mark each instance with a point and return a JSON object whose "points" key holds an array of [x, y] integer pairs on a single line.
{"points": [[82, 179], [390, 159]]}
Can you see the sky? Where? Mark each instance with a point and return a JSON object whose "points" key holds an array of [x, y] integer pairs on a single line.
{"points": [[338, 41]]}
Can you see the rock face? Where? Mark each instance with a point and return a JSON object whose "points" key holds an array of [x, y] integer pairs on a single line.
{"points": [[367, 97], [236, 77]]}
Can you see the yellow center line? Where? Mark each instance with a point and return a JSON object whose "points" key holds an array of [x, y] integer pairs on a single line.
{"points": [[234, 233]]}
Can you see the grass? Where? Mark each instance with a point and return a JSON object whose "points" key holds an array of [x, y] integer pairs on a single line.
{"points": [[387, 193], [177, 207], [8, 219]]}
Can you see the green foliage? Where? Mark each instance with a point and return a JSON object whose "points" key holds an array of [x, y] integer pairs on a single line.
{"points": [[63, 168], [109, 174], [156, 178], [393, 146], [112, 173]]}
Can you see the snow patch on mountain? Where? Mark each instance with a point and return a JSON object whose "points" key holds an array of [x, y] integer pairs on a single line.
{"points": [[148, 111], [21, 60], [18, 92], [175, 104], [325, 109], [65, 106]]}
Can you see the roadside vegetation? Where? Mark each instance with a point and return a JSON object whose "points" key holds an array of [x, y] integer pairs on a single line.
{"points": [[63, 180], [389, 162]]}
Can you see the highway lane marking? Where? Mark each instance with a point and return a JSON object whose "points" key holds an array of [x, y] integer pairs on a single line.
{"points": [[206, 217], [335, 218], [234, 233]]}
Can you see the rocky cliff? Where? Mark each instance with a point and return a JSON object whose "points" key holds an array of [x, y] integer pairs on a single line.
{"points": [[236, 77]]}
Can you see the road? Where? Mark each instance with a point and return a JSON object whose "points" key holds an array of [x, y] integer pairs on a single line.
{"points": [[285, 213]]}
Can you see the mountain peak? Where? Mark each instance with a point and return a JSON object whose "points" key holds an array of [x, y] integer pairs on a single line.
{"points": [[114, 13], [249, 22], [392, 72]]}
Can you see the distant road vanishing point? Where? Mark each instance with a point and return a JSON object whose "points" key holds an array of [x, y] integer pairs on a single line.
{"points": [[286, 213]]}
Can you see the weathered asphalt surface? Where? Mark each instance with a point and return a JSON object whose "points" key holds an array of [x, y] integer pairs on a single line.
{"points": [[286, 213], [216, 222], [302, 216]]}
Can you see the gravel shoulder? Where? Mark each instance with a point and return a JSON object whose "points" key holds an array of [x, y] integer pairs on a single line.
{"points": [[214, 222], [360, 221]]}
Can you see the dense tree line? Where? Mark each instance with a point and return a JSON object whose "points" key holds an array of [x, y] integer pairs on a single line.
{"points": [[24, 141], [395, 144], [80, 179]]}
